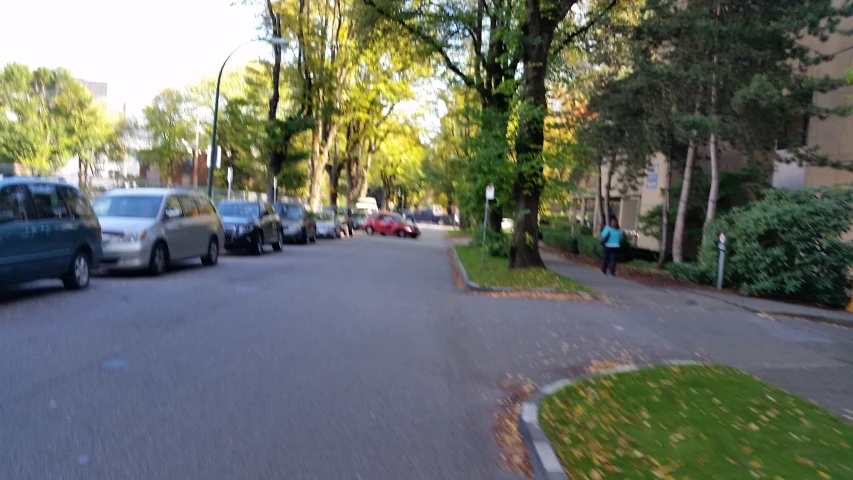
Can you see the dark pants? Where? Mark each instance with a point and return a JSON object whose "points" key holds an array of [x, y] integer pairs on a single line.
{"points": [[609, 260]]}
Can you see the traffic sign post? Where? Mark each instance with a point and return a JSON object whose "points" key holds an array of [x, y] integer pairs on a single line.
{"points": [[490, 195], [721, 259]]}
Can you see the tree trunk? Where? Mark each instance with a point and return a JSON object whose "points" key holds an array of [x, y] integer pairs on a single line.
{"points": [[527, 186], [365, 169], [274, 166], [664, 230], [583, 215], [607, 186], [320, 167], [596, 221], [316, 140], [681, 216], [714, 192], [349, 184]]}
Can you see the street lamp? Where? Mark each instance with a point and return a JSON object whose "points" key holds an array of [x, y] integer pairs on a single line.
{"points": [[274, 41]]}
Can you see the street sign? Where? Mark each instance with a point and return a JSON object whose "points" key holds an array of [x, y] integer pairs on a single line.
{"points": [[218, 156], [230, 174], [490, 192]]}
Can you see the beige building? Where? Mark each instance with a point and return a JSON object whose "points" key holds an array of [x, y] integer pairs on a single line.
{"points": [[832, 137]]}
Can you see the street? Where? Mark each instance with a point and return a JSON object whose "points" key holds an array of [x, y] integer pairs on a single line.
{"points": [[354, 358]]}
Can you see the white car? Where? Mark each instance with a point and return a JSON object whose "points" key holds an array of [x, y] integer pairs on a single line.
{"points": [[328, 225]]}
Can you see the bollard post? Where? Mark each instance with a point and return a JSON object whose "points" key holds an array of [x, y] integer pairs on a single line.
{"points": [[721, 260]]}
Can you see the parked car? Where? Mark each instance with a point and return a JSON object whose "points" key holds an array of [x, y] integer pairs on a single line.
{"points": [[47, 230], [385, 223], [359, 217], [344, 217], [251, 225], [328, 224], [430, 215], [149, 228], [297, 222]]}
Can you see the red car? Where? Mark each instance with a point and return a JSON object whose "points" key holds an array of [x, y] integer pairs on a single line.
{"points": [[387, 223]]}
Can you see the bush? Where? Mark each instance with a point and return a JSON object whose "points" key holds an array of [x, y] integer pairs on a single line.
{"points": [[559, 239], [787, 245], [691, 272], [497, 243], [589, 246]]}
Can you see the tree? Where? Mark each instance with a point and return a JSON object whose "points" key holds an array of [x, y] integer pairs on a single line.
{"points": [[168, 124]]}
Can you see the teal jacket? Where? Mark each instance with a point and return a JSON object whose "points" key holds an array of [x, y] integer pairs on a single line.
{"points": [[612, 237]]}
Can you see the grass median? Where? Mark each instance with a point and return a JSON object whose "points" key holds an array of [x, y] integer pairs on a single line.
{"points": [[693, 422], [458, 233], [494, 273]]}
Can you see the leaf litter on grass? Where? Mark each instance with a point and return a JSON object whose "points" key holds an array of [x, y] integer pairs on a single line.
{"points": [[693, 422]]}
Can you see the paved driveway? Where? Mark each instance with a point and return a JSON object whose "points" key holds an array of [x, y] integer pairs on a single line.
{"points": [[352, 358]]}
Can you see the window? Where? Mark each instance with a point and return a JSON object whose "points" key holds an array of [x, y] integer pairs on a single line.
{"points": [[188, 205], [204, 205], [173, 204], [47, 202], [132, 206], [13, 203], [76, 202], [795, 134]]}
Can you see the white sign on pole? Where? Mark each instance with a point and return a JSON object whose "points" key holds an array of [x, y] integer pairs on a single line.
{"points": [[218, 156], [490, 192], [230, 174]]}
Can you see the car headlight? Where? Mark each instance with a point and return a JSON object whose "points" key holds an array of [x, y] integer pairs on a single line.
{"points": [[408, 228], [291, 227], [133, 237], [244, 229]]}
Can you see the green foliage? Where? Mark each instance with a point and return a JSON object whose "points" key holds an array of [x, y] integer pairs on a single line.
{"points": [[788, 245], [493, 272], [497, 244], [691, 272], [736, 189], [589, 246], [561, 239]]}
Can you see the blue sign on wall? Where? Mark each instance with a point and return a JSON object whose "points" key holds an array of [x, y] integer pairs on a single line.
{"points": [[652, 177]]}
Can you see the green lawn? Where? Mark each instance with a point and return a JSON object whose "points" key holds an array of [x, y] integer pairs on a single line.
{"points": [[693, 422], [458, 233], [494, 273]]}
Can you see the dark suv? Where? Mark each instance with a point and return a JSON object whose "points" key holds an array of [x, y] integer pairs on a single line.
{"points": [[250, 225], [47, 230], [297, 221]]}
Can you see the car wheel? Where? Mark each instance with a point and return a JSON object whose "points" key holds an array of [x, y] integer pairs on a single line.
{"points": [[401, 233], [337, 233], [212, 257], [258, 244], [78, 274], [279, 243], [313, 236], [368, 230], [159, 259], [303, 237]]}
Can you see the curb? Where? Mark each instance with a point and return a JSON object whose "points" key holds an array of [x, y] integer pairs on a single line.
{"points": [[804, 316], [540, 451], [475, 287]]}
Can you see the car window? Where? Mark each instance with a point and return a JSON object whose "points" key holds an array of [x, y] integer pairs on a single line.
{"points": [[239, 209], [204, 205], [13, 203], [188, 206], [47, 202], [76, 202], [172, 203], [133, 206]]}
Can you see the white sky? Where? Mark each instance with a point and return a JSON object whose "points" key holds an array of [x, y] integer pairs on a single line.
{"points": [[137, 47]]}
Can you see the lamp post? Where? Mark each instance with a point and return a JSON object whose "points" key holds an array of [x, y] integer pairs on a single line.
{"points": [[213, 153]]}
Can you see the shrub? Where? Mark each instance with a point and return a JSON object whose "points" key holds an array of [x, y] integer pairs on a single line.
{"points": [[589, 246], [497, 243], [787, 245], [560, 239], [691, 272]]}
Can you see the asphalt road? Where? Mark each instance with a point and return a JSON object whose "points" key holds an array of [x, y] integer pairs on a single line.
{"points": [[353, 359]]}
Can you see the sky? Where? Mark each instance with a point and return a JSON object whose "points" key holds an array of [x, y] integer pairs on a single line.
{"points": [[137, 47]]}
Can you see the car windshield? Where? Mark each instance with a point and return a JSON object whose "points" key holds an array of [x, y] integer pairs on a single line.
{"points": [[239, 209], [289, 211], [135, 206], [325, 216], [398, 217]]}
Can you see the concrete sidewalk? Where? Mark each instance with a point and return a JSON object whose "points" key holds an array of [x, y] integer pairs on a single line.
{"points": [[625, 292]]}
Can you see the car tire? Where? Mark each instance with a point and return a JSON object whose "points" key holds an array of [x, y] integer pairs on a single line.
{"points": [[279, 243], [303, 237], [258, 244], [313, 238], [401, 233], [368, 230], [159, 262], [337, 233], [212, 257], [79, 271]]}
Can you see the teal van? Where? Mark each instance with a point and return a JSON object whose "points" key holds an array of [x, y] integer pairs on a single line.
{"points": [[47, 230]]}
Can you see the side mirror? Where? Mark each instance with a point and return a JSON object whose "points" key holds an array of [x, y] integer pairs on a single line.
{"points": [[6, 216], [172, 213]]}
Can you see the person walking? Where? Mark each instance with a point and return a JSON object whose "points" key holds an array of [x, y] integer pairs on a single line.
{"points": [[611, 238]]}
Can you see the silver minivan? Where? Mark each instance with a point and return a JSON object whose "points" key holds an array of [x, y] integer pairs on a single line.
{"points": [[147, 228]]}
